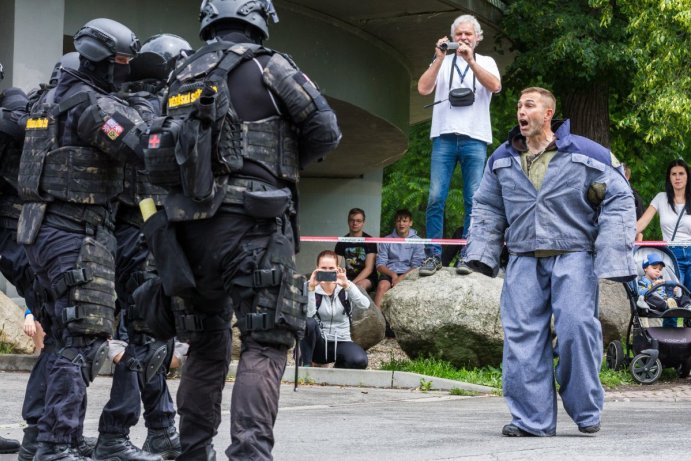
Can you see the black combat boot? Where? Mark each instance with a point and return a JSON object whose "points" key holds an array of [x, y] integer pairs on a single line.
{"points": [[29, 443], [164, 442], [8, 445], [117, 447], [84, 445], [57, 452]]}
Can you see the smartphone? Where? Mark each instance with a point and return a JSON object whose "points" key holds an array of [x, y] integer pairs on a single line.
{"points": [[326, 276]]}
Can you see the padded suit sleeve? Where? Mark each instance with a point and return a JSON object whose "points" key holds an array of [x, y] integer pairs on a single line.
{"points": [[319, 133], [487, 226]]}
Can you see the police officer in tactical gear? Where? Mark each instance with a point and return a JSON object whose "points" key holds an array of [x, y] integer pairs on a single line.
{"points": [[8, 149], [34, 400], [248, 119], [66, 223], [139, 376]]}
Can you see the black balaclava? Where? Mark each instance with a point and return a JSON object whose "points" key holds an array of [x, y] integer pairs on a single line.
{"points": [[106, 74], [237, 32]]}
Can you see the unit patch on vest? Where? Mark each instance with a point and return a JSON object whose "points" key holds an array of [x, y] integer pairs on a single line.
{"points": [[112, 129], [37, 124]]}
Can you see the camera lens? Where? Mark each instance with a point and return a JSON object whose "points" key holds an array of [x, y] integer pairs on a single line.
{"points": [[444, 46]]}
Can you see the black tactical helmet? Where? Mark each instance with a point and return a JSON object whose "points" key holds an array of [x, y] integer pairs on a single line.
{"points": [[68, 61], [253, 12], [102, 38], [157, 57]]}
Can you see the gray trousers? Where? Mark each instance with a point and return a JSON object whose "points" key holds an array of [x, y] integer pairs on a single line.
{"points": [[535, 289]]}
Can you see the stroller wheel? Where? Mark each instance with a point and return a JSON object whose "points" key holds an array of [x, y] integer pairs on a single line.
{"points": [[684, 369], [644, 370], [615, 355]]}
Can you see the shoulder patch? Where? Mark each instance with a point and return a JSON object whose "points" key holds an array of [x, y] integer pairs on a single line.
{"points": [[615, 162]]}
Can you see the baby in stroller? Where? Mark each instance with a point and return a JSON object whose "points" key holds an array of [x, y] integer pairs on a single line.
{"points": [[658, 294]]}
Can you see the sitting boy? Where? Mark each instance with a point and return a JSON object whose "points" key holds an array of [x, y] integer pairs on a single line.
{"points": [[663, 297], [396, 260]]}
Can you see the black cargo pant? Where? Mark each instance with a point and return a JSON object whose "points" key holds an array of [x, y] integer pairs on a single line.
{"points": [[220, 249], [54, 252], [127, 393]]}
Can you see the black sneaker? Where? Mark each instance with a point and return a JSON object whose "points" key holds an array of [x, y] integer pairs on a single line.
{"points": [[430, 266], [590, 429], [462, 268], [511, 430]]}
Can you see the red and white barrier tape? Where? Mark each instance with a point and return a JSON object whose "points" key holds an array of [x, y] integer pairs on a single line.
{"points": [[422, 241]]}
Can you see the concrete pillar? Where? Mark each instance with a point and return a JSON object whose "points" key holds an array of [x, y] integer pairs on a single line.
{"points": [[32, 38]]}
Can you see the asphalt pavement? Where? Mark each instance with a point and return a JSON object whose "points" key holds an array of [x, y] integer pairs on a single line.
{"points": [[321, 422]]}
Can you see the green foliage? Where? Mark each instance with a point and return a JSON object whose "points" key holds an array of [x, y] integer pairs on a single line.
{"points": [[463, 392], [6, 348], [425, 385], [611, 379], [658, 44], [565, 45]]}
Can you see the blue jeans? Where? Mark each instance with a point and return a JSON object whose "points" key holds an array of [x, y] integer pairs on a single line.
{"points": [[683, 256], [447, 150]]}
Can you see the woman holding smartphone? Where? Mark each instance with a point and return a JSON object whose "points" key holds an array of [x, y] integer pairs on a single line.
{"points": [[331, 298]]}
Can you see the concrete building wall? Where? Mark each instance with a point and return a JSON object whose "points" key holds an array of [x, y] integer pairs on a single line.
{"points": [[326, 213]]}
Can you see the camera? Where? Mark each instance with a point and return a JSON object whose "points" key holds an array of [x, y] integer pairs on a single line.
{"points": [[326, 276], [446, 46]]}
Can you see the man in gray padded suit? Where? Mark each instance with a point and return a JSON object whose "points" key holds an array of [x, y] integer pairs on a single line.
{"points": [[249, 119]]}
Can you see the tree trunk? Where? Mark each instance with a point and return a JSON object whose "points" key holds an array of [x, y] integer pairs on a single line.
{"points": [[588, 110]]}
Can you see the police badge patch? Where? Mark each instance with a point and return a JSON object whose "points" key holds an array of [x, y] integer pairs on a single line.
{"points": [[112, 129]]}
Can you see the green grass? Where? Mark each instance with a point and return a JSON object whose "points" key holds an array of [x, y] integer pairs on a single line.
{"points": [[491, 376], [6, 348], [486, 376]]}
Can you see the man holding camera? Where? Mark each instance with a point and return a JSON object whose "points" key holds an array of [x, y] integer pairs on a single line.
{"points": [[461, 129]]}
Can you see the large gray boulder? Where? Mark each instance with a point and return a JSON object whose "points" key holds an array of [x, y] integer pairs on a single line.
{"points": [[11, 326], [368, 327], [453, 317], [456, 318]]}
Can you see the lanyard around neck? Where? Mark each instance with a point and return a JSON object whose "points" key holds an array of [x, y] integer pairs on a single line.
{"points": [[454, 66]]}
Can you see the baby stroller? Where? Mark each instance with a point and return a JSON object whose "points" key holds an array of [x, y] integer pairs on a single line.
{"points": [[649, 347]]}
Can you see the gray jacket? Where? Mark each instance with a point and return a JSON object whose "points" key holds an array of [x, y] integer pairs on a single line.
{"points": [[508, 208], [334, 321]]}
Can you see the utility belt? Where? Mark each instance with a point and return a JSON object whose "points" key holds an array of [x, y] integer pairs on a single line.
{"points": [[87, 218]]}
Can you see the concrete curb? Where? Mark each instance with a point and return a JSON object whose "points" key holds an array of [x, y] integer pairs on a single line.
{"points": [[311, 375]]}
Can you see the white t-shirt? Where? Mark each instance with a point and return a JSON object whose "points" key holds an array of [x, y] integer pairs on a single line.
{"points": [[471, 120], [668, 219]]}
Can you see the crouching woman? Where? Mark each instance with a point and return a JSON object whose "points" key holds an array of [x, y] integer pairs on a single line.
{"points": [[332, 297]]}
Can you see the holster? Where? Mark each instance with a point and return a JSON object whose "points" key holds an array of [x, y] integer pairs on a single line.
{"points": [[173, 268], [158, 314], [267, 203], [280, 303]]}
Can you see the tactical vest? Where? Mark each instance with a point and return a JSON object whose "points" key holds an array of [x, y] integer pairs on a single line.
{"points": [[137, 186], [75, 174], [271, 142]]}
